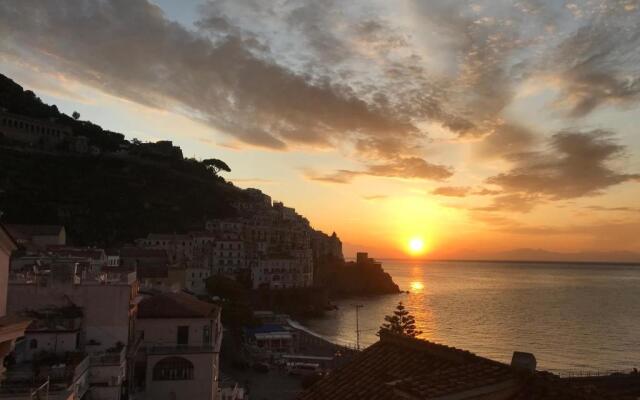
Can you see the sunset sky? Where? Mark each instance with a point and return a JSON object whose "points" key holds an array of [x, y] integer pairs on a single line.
{"points": [[477, 126]]}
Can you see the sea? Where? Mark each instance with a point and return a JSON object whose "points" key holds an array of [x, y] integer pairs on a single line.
{"points": [[575, 318]]}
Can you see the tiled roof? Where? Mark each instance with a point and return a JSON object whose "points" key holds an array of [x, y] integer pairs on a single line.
{"points": [[546, 386], [176, 305], [399, 367]]}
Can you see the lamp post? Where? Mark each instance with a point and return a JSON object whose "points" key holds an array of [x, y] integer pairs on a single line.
{"points": [[358, 307]]}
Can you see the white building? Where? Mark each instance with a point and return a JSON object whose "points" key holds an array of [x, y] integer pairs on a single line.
{"points": [[11, 328], [195, 279], [108, 302], [181, 345], [283, 272], [179, 247], [228, 256]]}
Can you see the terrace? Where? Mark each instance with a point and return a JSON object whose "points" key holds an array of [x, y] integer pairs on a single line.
{"points": [[51, 376]]}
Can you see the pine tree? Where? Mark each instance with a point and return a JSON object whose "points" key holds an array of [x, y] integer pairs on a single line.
{"points": [[401, 322]]}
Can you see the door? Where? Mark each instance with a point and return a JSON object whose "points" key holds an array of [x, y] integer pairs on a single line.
{"points": [[183, 335]]}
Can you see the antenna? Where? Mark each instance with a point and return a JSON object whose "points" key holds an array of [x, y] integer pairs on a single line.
{"points": [[358, 307]]}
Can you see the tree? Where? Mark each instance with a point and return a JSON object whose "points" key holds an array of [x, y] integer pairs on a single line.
{"points": [[76, 115], [214, 165], [401, 322]]}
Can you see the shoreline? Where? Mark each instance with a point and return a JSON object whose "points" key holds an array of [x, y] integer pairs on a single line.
{"points": [[328, 342]]}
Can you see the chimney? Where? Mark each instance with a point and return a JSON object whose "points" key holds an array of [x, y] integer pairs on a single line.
{"points": [[523, 361]]}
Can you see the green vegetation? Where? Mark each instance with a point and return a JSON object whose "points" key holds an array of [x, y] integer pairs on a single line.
{"points": [[401, 322], [112, 198], [235, 301]]}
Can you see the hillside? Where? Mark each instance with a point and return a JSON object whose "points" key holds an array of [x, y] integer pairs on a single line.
{"points": [[106, 199]]}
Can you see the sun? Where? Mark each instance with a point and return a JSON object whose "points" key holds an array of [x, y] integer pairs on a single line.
{"points": [[416, 245]]}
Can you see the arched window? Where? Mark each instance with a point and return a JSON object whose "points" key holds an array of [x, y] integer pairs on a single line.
{"points": [[33, 344], [173, 369]]}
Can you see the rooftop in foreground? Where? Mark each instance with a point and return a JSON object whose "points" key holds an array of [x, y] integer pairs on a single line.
{"points": [[399, 367]]}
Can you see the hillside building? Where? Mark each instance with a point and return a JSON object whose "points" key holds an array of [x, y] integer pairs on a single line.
{"points": [[181, 338]]}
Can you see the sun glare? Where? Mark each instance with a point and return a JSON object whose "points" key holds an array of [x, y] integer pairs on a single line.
{"points": [[416, 245]]}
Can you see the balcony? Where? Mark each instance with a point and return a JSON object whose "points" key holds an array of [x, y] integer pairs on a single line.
{"points": [[61, 378], [176, 349], [108, 358]]}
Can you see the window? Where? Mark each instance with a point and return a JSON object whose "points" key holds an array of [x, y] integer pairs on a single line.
{"points": [[173, 369], [183, 335], [33, 344], [206, 335]]}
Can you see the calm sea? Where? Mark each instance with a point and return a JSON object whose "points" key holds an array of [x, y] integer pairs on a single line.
{"points": [[573, 317]]}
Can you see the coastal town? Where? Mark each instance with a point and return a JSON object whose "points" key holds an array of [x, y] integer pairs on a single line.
{"points": [[209, 311]]}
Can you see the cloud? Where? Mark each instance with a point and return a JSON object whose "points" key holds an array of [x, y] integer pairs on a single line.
{"points": [[486, 192], [128, 48], [614, 209], [339, 176], [597, 64], [515, 202], [452, 191], [409, 167], [603, 232], [375, 197], [365, 77], [576, 164], [505, 139]]}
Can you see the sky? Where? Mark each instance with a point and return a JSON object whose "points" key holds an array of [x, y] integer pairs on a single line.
{"points": [[466, 128]]}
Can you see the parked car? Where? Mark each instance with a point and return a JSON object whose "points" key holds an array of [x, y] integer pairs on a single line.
{"points": [[302, 368]]}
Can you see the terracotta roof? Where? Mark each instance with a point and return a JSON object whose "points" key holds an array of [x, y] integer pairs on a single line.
{"points": [[398, 367], [176, 305]]}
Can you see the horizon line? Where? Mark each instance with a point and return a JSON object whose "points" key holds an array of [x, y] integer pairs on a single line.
{"points": [[467, 260]]}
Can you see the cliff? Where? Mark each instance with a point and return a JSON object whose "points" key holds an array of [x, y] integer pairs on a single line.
{"points": [[356, 279]]}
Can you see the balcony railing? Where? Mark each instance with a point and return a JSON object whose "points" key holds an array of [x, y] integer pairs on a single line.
{"points": [[108, 358], [177, 349]]}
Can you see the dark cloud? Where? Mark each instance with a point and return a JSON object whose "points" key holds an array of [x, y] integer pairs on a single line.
{"points": [[514, 202], [129, 49], [338, 176], [597, 65], [486, 192], [506, 139], [325, 73], [409, 167], [576, 164], [452, 191]]}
